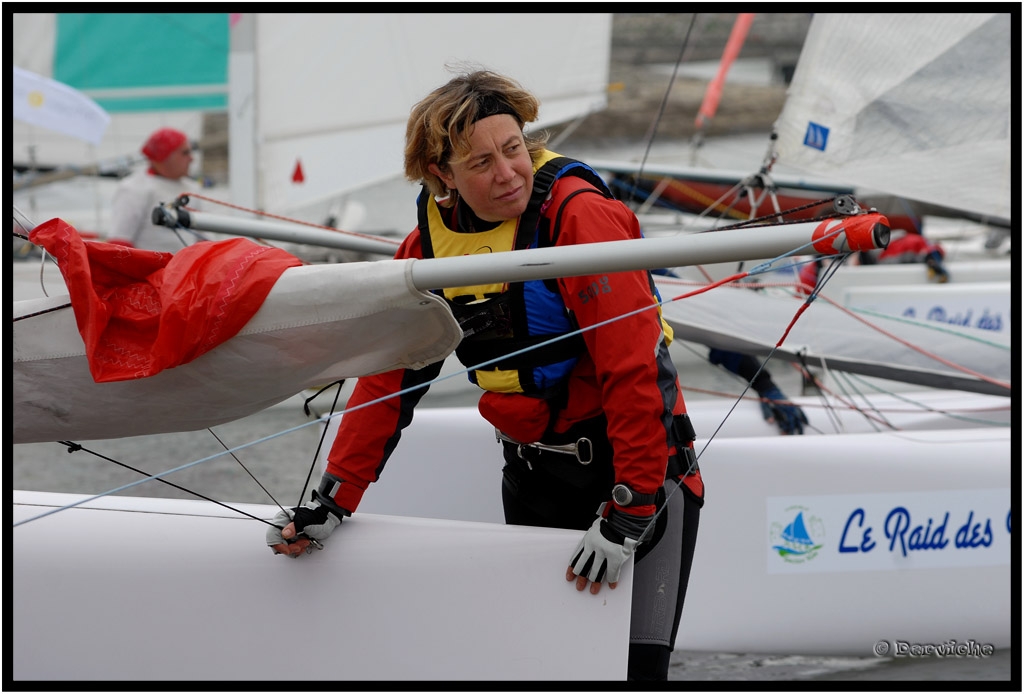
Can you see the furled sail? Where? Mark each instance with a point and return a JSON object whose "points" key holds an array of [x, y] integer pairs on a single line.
{"points": [[319, 323], [141, 311]]}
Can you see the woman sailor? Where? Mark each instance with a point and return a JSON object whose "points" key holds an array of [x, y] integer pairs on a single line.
{"points": [[608, 391]]}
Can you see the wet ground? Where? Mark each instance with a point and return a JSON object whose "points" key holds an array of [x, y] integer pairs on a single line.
{"points": [[694, 666]]}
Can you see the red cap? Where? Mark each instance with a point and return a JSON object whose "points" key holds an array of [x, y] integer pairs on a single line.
{"points": [[161, 143]]}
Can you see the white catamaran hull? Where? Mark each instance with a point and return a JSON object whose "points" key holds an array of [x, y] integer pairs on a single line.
{"points": [[878, 343], [456, 443], [855, 586], [160, 589], [805, 547], [908, 541]]}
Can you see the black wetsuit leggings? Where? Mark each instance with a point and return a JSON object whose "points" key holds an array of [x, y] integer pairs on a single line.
{"points": [[548, 489]]}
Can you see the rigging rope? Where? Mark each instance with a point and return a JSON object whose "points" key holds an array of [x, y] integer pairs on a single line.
{"points": [[746, 185], [664, 100], [231, 451], [764, 267], [74, 447]]}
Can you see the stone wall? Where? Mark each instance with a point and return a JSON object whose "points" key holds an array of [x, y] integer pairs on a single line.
{"points": [[645, 46], [657, 37]]}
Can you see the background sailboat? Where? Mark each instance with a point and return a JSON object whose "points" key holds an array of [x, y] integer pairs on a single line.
{"points": [[308, 121], [929, 122], [923, 117], [924, 130]]}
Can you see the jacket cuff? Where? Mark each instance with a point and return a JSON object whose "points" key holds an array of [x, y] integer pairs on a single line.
{"points": [[642, 511], [342, 495]]}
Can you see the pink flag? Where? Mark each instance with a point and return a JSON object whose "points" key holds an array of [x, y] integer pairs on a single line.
{"points": [[732, 49]]}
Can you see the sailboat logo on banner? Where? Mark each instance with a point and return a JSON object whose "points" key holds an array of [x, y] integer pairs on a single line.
{"points": [[800, 539], [816, 136]]}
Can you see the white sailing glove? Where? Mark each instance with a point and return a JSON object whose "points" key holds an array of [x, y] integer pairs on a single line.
{"points": [[608, 544]]}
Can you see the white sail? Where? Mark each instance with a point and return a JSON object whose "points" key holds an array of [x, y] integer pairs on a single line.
{"points": [[56, 106], [916, 105], [328, 95]]}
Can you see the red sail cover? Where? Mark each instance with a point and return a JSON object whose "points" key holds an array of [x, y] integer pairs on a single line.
{"points": [[140, 311]]}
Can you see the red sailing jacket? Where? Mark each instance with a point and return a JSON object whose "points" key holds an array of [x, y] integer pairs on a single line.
{"points": [[909, 248], [623, 372]]}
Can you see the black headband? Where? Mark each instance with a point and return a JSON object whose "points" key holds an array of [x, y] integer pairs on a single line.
{"points": [[491, 105]]}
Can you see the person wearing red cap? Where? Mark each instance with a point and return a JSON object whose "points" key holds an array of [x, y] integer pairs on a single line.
{"points": [[169, 156]]}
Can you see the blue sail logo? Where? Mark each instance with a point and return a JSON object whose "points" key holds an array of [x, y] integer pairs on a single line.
{"points": [[800, 540], [816, 136]]}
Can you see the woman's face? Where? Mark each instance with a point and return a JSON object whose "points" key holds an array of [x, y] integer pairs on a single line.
{"points": [[497, 178]]}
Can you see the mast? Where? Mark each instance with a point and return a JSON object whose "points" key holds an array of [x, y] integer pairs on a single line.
{"points": [[242, 112]]}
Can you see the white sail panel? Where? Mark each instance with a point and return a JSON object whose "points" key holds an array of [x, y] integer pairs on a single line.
{"points": [[917, 105], [55, 106], [32, 40], [333, 91]]}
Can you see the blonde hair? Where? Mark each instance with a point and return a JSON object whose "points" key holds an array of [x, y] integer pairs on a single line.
{"points": [[439, 126]]}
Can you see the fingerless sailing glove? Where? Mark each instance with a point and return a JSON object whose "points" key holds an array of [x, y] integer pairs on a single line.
{"points": [[316, 520], [608, 544]]}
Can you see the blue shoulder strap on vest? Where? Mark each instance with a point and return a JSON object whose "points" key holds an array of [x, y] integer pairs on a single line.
{"points": [[542, 181]]}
